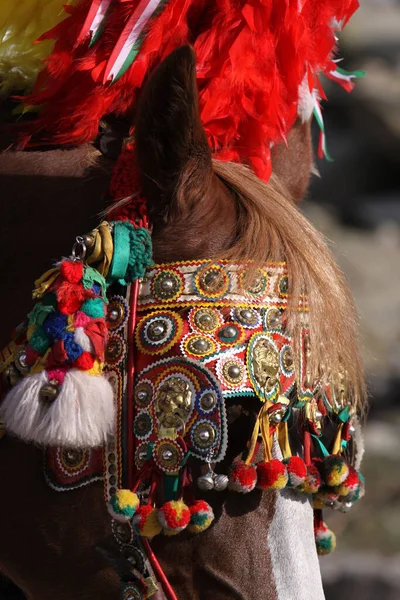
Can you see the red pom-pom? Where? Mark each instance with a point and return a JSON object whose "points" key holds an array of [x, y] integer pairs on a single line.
{"points": [[350, 486], [312, 482], [70, 297], [242, 478], [84, 362], [71, 270], [297, 471], [174, 516], [271, 475]]}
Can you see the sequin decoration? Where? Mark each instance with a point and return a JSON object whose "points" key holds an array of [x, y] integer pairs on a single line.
{"points": [[115, 349], [158, 332], [143, 425], [198, 346], [117, 313], [167, 285], [167, 455], [247, 317], [212, 282], [205, 320]]}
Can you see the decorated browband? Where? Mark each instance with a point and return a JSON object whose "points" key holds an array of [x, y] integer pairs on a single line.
{"points": [[143, 358]]}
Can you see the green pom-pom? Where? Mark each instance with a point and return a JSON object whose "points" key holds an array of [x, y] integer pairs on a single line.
{"points": [[325, 540], [39, 340], [94, 307]]}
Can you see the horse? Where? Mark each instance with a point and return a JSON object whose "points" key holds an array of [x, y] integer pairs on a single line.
{"points": [[261, 544]]}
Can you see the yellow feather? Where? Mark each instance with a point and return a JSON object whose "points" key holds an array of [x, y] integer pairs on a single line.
{"points": [[21, 23]]}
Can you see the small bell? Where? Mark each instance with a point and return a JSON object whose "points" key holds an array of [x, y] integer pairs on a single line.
{"points": [[49, 392], [206, 482], [220, 482]]}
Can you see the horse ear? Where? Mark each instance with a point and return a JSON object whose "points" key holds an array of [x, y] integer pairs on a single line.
{"points": [[172, 148], [292, 163]]}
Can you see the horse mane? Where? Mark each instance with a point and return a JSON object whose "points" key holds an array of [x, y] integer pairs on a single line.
{"points": [[271, 228]]}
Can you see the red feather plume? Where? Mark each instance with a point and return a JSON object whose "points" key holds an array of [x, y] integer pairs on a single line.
{"points": [[252, 57]]}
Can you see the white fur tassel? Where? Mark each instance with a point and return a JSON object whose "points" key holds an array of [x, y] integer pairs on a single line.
{"points": [[81, 416]]}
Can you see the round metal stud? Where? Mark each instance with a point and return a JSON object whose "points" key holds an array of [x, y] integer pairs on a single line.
{"points": [[199, 346], [208, 401], [166, 285], [143, 394], [49, 392], [288, 360], [220, 482], [21, 363], [168, 455], [352, 430], [115, 349], [72, 457], [230, 332], [206, 319], [114, 314], [246, 315], [204, 435], [143, 425], [274, 318], [277, 417], [123, 532], [156, 330], [206, 482], [233, 372]]}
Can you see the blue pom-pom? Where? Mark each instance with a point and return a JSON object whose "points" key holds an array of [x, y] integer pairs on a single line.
{"points": [[55, 325], [73, 350]]}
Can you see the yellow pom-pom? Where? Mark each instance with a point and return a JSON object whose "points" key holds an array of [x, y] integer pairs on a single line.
{"points": [[123, 505], [146, 521]]}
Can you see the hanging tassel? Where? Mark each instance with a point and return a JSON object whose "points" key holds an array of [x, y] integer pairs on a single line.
{"points": [[78, 413], [325, 539], [322, 148]]}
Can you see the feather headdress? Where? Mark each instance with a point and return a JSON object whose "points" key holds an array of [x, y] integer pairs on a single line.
{"points": [[258, 63]]}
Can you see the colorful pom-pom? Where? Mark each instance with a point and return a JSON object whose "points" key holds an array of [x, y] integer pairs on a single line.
{"points": [[39, 340], [326, 496], [71, 270], [201, 516], [123, 505], [174, 516], [146, 521], [312, 482], [272, 475], [242, 477], [325, 539], [94, 307], [296, 470], [348, 489], [84, 362], [334, 470]]}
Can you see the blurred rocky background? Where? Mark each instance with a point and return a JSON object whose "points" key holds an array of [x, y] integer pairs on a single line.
{"points": [[356, 203]]}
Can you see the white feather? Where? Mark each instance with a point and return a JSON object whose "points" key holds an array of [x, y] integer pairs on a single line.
{"points": [[81, 416], [306, 103]]}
